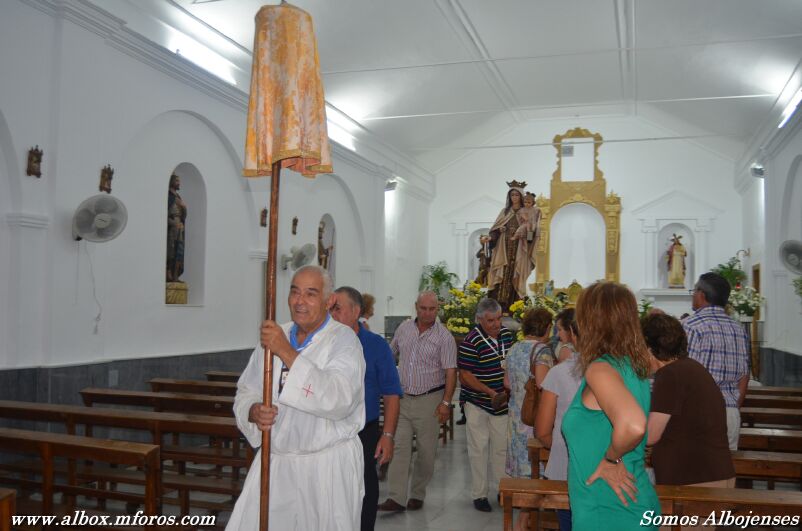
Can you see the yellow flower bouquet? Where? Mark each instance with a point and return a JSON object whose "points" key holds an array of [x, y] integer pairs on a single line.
{"points": [[459, 310]]}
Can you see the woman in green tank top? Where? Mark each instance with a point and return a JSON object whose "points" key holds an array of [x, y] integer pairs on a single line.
{"points": [[605, 425]]}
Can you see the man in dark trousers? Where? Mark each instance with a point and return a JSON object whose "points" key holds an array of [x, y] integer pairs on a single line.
{"points": [[381, 379]]}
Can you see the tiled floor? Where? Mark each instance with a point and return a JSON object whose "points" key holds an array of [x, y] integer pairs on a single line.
{"points": [[448, 504]]}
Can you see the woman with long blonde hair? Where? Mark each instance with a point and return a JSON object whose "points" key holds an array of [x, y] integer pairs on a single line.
{"points": [[605, 425]]}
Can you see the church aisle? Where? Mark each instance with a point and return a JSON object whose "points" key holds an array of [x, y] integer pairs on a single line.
{"points": [[448, 504]]}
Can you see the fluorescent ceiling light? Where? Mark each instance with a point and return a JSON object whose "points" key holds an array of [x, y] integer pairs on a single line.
{"points": [[790, 108], [340, 135], [202, 56]]}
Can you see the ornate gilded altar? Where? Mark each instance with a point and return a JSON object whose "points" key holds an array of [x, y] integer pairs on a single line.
{"points": [[591, 192]]}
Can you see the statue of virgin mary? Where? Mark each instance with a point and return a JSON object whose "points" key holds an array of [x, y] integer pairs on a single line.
{"points": [[512, 260]]}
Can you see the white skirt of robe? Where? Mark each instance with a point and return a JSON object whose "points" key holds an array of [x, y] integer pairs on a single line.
{"points": [[297, 503]]}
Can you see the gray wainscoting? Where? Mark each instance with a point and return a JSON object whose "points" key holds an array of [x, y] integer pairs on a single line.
{"points": [[778, 368]]}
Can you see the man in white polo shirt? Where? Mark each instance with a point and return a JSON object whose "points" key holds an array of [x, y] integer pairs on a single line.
{"points": [[428, 368]]}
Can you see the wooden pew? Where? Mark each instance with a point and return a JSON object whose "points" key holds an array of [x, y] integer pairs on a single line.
{"points": [[773, 401], [782, 391], [534, 494], [157, 424], [49, 446], [771, 416], [8, 508], [749, 464], [770, 440], [161, 401], [193, 386], [222, 376]]}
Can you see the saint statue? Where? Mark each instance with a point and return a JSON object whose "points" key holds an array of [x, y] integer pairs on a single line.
{"points": [[323, 251], [676, 262], [176, 216], [512, 246]]}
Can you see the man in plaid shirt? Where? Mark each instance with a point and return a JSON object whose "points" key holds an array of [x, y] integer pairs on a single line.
{"points": [[720, 344]]}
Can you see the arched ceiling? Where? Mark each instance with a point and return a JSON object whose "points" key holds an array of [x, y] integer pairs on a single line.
{"points": [[429, 76]]}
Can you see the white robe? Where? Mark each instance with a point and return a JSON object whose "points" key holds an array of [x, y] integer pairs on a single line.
{"points": [[316, 462]]}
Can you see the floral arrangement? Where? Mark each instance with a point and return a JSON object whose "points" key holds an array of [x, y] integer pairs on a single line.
{"points": [[731, 271], [459, 310], [798, 286], [644, 307], [745, 300], [553, 304]]}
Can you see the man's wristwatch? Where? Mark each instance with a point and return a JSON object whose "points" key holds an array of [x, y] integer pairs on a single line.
{"points": [[388, 434], [445, 403]]}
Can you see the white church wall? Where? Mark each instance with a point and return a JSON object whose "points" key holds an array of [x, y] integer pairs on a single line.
{"points": [[753, 200], [783, 218], [88, 102], [639, 172], [406, 229]]}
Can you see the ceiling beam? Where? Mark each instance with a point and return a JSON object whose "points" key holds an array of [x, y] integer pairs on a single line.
{"points": [[566, 106], [459, 21]]}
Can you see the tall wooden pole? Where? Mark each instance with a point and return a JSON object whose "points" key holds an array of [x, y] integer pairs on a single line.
{"points": [[270, 315]]}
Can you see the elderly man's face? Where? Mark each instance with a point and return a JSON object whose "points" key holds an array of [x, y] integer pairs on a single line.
{"points": [[426, 309], [491, 323], [307, 301], [698, 299], [344, 310]]}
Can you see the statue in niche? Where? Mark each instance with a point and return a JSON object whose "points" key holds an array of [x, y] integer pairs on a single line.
{"points": [[34, 168], [106, 175], [512, 246], [323, 252], [676, 262], [176, 217]]}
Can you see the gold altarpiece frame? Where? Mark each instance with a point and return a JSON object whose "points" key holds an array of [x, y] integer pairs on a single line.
{"points": [[591, 192]]}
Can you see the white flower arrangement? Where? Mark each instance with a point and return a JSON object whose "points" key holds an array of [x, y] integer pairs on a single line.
{"points": [[746, 300]]}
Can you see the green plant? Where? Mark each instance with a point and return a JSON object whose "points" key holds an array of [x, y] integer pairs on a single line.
{"points": [[731, 270], [438, 279], [798, 286]]}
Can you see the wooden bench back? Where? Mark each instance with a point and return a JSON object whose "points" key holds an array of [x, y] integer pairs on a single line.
{"points": [[536, 494], [193, 386], [781, 391], [49, 446], [747, 463], [773, 401], [161, 401], [222, 376], [771, 416]]}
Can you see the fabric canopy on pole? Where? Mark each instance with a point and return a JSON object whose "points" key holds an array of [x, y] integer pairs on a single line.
{"points": [[286, 129], [287, 110]]}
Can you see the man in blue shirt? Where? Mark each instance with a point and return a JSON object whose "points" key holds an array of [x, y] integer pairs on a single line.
{"points": [[381, 379]]}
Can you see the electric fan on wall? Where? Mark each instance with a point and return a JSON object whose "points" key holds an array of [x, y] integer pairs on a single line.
{"points": [[298, 257], [791, 256], [99, 219]]}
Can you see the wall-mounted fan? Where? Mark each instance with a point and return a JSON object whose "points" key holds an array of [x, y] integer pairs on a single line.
{"points": [[99, 219], [299, 257], [791, 255]]}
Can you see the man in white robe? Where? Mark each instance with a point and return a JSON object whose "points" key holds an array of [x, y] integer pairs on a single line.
{"points": [[316, 462]]}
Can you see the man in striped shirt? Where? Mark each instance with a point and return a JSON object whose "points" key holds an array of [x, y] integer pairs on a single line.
{"points": [[481, 375], [427, 365], [720, 344]]}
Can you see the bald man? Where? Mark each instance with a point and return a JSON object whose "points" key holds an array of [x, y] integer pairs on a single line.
{"points": [[427, 365], [316, 463]]}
